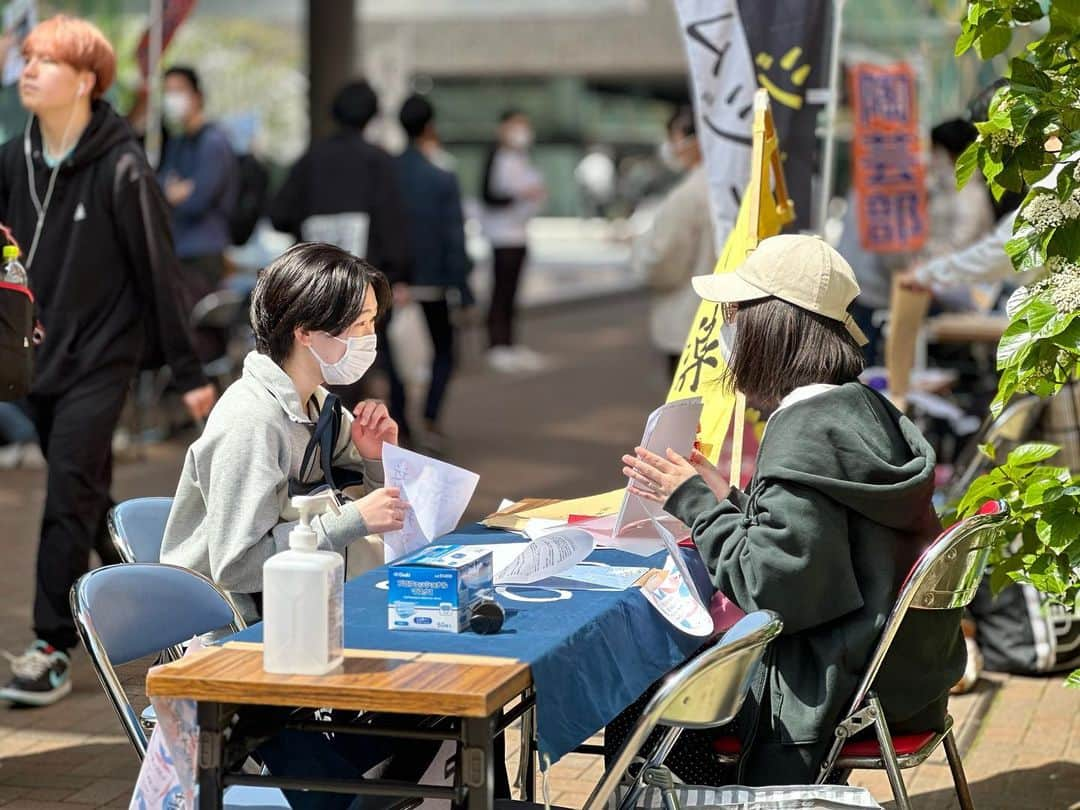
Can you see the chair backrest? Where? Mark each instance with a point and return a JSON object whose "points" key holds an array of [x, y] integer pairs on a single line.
{"points": [[1012, 427], [945, 576], [137, 527], [705, 692], [127, 612]]}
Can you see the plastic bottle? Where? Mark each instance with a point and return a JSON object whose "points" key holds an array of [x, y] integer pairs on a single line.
{"points": [[303, 602], [14, 272]]}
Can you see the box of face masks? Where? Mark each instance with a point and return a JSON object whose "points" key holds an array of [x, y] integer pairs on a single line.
{"points": [[435, 588]]}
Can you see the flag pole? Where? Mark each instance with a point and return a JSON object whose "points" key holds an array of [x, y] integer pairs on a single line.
{"points": [[829, 158], [153, 83]]}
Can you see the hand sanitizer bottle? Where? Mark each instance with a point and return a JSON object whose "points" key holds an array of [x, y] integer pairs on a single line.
{"points": [[303, 602]]}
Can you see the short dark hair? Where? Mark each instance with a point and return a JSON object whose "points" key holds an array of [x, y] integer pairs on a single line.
{"points": [[954, 136], [189, 74], [682, 121], [508, 113], [313, 286], [416, 113], [780, 347], [355, 104]]}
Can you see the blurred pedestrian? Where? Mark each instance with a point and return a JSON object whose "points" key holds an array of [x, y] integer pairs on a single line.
{"points": [[680, 243], [18, 439], [79, 196], [344, 191], [440, 264], [513, 192], [198, 174]]}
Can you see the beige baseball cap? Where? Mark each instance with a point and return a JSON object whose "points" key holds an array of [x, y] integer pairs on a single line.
{"points": [[802, 270]]}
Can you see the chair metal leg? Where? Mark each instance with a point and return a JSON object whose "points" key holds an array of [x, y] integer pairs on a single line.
{"points": [[956, 765], [888, 756]]}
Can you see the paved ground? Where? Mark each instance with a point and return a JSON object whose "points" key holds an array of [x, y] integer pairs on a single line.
{"points": [[556, 434]]}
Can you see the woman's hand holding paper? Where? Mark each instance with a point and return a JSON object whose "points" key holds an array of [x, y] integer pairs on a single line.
{"points": [[382, 510], [371, 427], [655, 478]]}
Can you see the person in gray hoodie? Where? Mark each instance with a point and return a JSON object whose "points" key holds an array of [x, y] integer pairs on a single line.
{"points": [[837, 512], [313, 311]]}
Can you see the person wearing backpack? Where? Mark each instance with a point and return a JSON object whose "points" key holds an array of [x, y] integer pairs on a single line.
{"points": [[84, 205], [198, 173]]}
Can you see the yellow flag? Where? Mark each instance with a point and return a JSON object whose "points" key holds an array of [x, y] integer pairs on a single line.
{"points": [[702, 363]]}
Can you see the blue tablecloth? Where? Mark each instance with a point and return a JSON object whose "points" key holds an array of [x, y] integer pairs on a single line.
{"points": [[591, 655]]}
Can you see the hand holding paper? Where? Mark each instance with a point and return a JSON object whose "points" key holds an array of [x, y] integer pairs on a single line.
{"points": [[437, 493]]}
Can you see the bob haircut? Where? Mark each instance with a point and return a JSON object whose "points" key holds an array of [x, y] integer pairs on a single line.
{"points": [[77, 43], [780, 347], [313, 286]]}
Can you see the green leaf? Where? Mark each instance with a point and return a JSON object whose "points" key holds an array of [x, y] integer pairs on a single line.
{"points": [[1065, 241], [1068, 6], [1024, 250], [966, 39], [966, 164], [1026, 11], [1073, 681], [1031, 453], [1028, 78], [1042, 492], [1006, 389], [1016, 336], [988, 450], [1002, 575], [993, 41]]}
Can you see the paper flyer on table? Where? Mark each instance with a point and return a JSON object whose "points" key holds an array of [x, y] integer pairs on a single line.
{"points": [[673, 425], [437, 493], [554, 553], [597, 577]]}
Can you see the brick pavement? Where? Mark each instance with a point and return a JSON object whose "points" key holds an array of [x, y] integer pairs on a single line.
{"points": [[557, 434]]}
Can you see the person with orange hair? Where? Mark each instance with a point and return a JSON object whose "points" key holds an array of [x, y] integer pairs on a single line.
{"points": [[84, 205]]}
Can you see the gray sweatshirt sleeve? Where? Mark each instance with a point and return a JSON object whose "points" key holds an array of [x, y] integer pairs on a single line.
{"points": [[244, 478]]}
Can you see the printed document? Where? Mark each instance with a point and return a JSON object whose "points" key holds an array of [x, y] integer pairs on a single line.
{"points": [[437, 493], [554, 553]]}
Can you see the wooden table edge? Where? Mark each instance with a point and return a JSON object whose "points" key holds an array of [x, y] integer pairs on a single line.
{"points": [[175, 680]]}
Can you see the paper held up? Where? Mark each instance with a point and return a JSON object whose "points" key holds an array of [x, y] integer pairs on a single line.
{"points": [[673, 425], [546, 556], [673, 592], [437, 493]]}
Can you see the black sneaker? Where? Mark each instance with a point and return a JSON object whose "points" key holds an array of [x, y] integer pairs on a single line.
{"points": [[40, 676]]}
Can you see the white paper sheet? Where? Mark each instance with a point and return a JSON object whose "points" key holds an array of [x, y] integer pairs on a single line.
{"points": [[673, 425], [438, 494], [596, 577], [545, 556], [675, 554]]}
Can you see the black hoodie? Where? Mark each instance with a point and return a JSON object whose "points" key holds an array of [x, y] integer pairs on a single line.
{"points": [[837, 513], [105, 268]]}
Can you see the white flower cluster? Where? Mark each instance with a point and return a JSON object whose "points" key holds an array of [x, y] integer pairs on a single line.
{"points": [[1076, 171], [999, 138], [1070, 209], [1059, 264], [1043, 212], [1063, 289]]}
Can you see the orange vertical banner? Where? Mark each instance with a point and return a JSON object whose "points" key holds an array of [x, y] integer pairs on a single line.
{"points": [[889, 172]]}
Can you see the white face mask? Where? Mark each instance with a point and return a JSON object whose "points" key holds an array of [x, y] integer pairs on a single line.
{"points": [[175, 107], [666, 153], [358, 357], [727, 341], [520, 137]]}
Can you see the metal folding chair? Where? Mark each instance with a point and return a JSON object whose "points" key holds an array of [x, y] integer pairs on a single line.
{"points": [[137, 526], [130, 611], [946, 576], [706, 692], [225, 311]]}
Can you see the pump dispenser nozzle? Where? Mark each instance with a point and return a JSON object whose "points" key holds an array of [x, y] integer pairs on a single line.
{"points": [[303, 536]]}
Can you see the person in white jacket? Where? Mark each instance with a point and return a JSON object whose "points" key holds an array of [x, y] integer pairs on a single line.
{"points": [[680, 243]]}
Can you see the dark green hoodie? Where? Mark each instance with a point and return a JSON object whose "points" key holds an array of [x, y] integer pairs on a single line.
{"points": [[837, 512]]}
